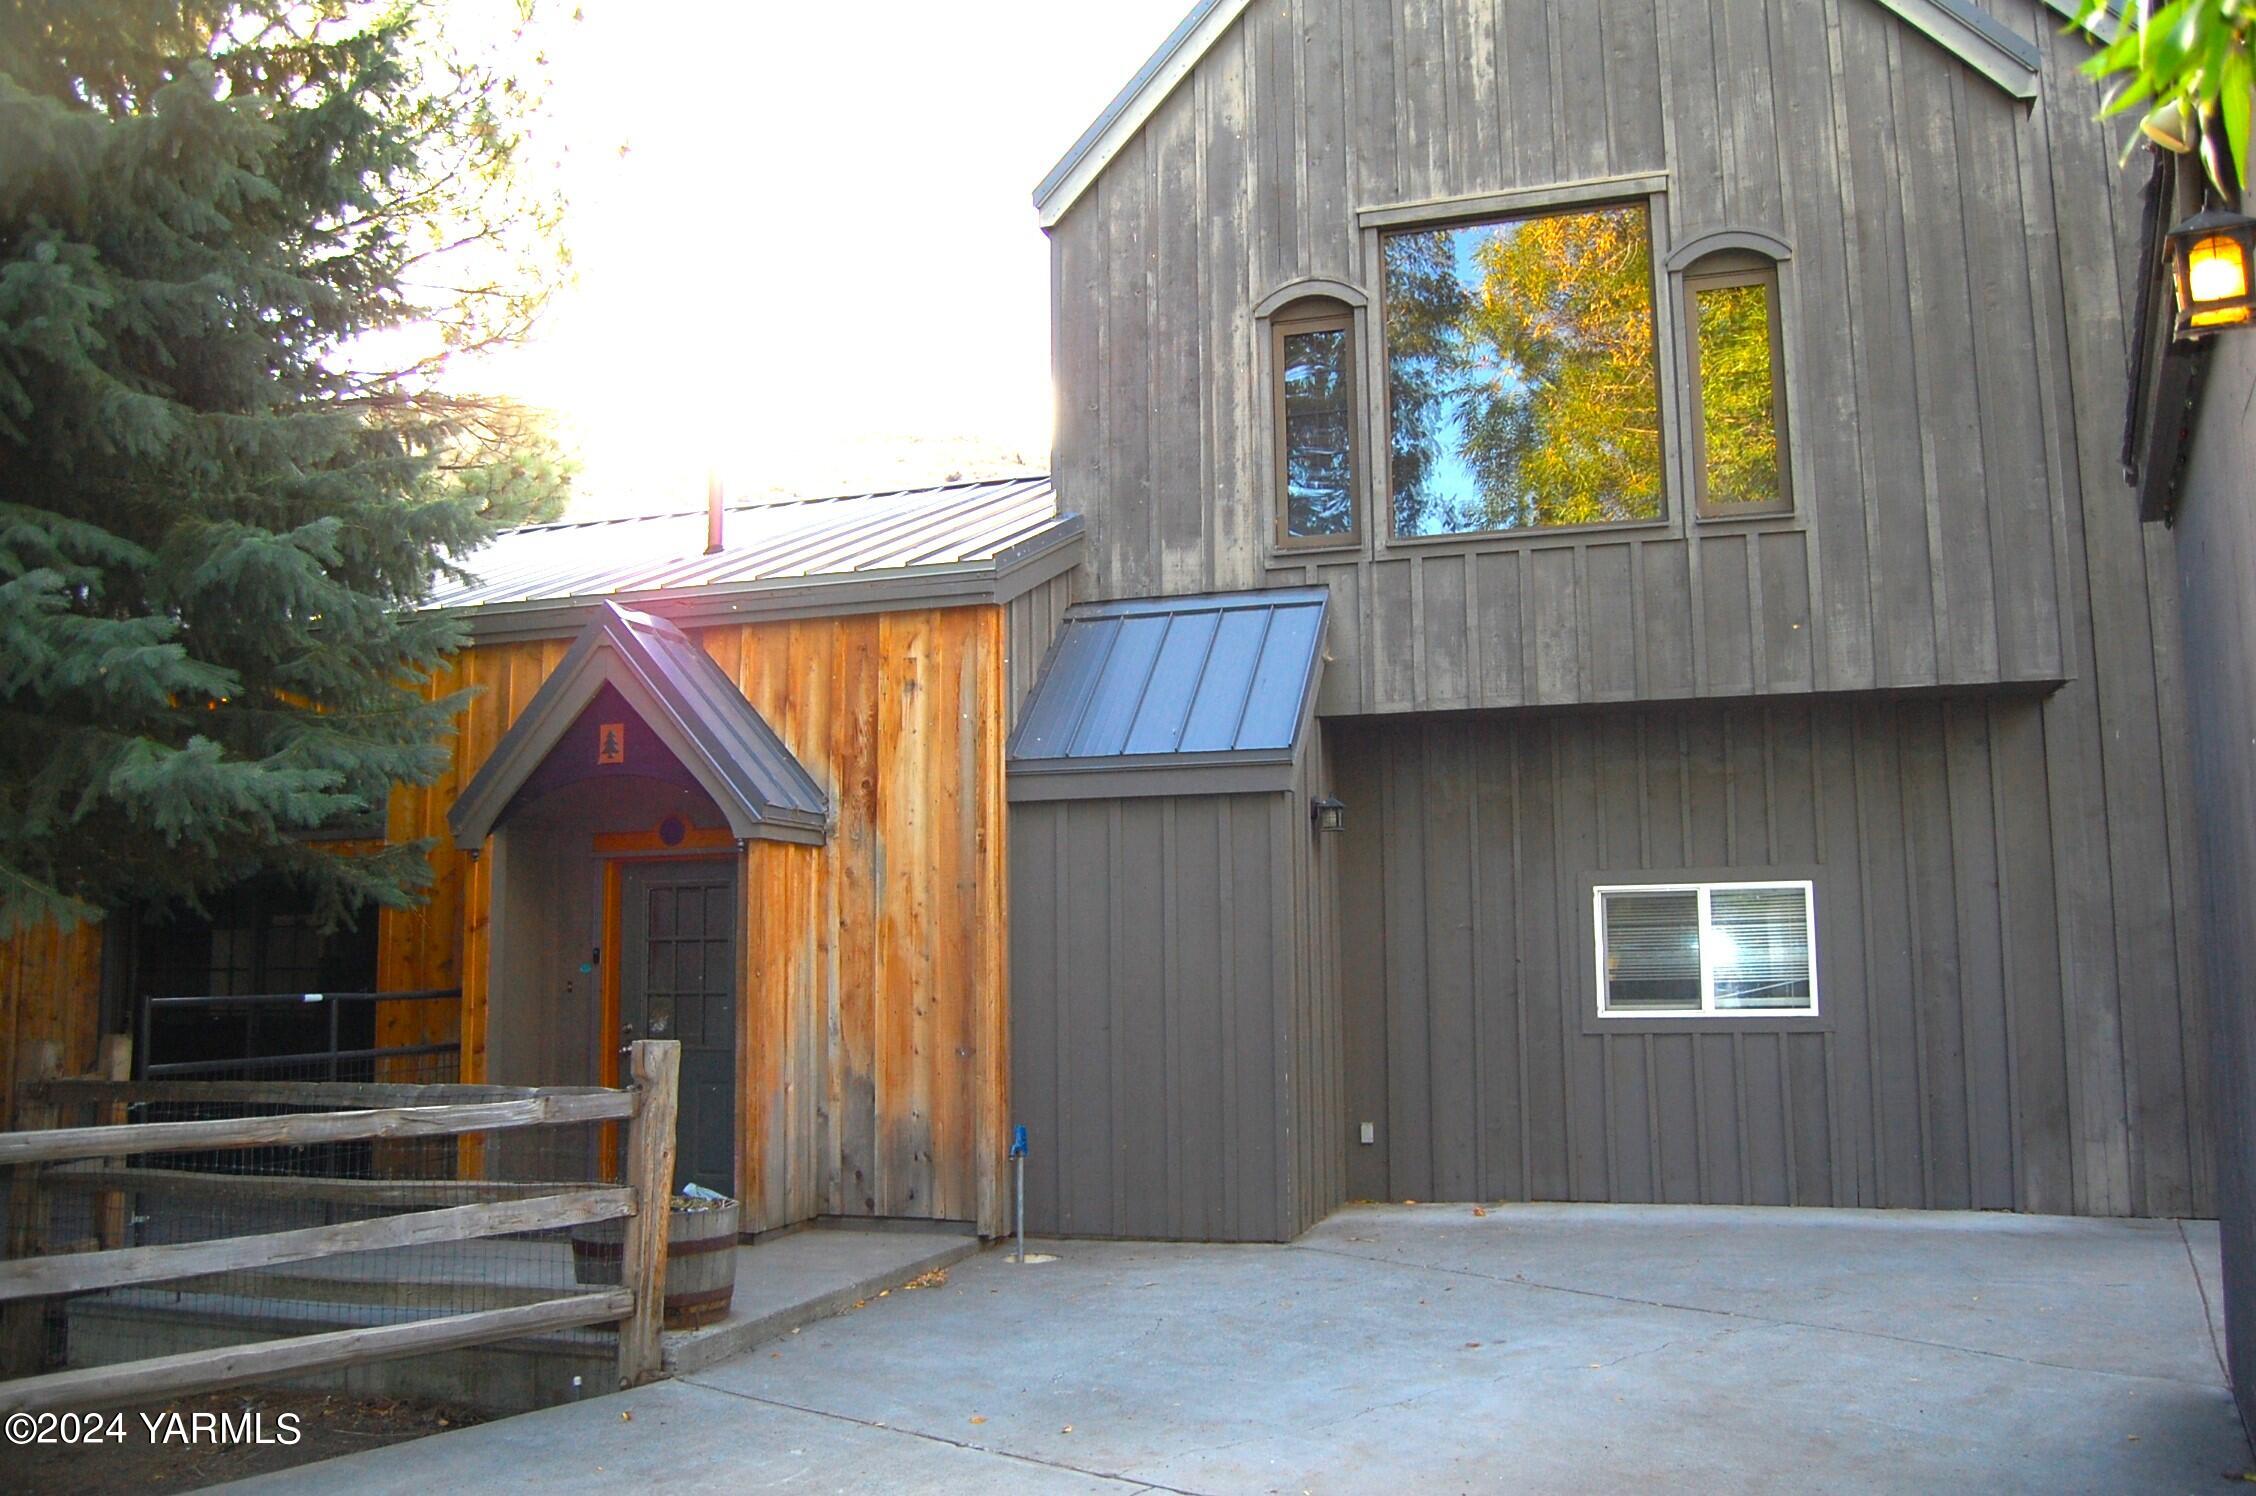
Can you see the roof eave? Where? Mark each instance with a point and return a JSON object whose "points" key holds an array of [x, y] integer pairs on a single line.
{"points": [[640, 679], [1978, 39], [1008, 574], [1959, 26], [1134, 104], [1144, 775]]}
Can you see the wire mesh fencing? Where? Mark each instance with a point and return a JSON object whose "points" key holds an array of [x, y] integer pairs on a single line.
{"points": [[317, 1235]]}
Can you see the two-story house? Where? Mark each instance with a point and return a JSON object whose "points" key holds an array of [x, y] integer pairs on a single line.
{"points": [[1614, 660], [1591, 642]]}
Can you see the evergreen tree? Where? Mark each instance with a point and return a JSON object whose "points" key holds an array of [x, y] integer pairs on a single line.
{"points": [[215, 518]]}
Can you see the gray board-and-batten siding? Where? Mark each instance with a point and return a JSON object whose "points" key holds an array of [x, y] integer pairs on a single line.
{"points": [[1955, 317], [1199, 1027], [1176, 1039], [1951, 306], [2216, 531], [1176, 1044], [1949, 1066]]}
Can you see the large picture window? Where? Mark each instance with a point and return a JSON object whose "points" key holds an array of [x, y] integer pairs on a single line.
{"points": [[1707, 949], [1522, 387]]}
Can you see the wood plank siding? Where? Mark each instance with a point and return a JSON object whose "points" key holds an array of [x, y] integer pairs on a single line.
{"points": [[1178, 1058], [873, 1067], [1030, 623], [50, 990], [1953, 1065], [1969, 643], [2216, 527], [1952, 330]]}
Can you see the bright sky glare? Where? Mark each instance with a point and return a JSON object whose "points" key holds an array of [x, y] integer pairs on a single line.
{"points": [[806, 252]]}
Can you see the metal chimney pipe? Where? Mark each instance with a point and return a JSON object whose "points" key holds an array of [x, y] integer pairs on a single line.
{"points": [[712, 513]]}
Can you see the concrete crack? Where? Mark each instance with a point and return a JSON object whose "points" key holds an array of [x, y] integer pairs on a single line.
{"points": [[1134, 1482], [1673, 1341], [2208, 1320]]}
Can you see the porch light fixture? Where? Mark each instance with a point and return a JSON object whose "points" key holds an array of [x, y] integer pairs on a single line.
{"points": [[1329, 814], [2210, 256]]}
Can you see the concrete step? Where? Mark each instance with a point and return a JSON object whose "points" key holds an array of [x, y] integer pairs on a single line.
{"points": [[784, 1282]]}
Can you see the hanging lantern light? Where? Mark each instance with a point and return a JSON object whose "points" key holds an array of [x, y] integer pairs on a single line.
{"points": [[2210, 256]]}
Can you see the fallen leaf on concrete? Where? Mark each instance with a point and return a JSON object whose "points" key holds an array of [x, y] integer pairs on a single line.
{"points": [[1480, 1210], [979, 1418], [626, 1417], [885, 1293], [1472, 1345], [933, 1279], [1067, 1429]]}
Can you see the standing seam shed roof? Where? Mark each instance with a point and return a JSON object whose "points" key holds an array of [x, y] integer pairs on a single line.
{"points": [[1218, 688]]}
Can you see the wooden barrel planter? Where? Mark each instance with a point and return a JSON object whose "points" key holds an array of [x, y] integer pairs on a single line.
{"points": [[700, 1259]]}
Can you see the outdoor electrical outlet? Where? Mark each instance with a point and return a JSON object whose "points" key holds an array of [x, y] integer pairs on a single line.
{"points": [[1370, 1133]]}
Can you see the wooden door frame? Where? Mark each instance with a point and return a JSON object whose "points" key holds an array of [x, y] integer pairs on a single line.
{"points": [[617, 850]]}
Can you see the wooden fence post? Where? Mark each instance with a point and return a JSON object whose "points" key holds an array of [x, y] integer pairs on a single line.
{"points": [[23, 1325], [113, 1062], [655, 1065]]}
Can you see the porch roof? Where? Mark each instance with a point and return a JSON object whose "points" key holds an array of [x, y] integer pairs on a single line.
{"points": [[686, 700], [1207, 694]]}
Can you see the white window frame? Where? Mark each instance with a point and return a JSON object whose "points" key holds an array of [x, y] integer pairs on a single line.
{"points": [[1707, 1008]]}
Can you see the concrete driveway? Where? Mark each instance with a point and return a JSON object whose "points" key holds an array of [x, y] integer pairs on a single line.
{"points": [[1526, 1348]]}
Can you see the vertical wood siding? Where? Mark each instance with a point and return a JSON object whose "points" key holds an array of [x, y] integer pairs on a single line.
{"points": [[1953, 330], [1174, 1048], [1030, 624], [2216, 557], [50, 989], [1954, 1068], [874, 1031], [1954, 325]]}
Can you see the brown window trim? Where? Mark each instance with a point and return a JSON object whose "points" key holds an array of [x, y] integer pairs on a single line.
{"points": [[1696, 281], [1284, 324]]}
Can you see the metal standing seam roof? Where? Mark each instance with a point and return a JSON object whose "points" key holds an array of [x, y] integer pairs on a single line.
{"points": [[765, 544], [1217, 688], [686, 699]]}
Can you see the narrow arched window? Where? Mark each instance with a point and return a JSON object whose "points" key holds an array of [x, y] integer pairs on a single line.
{"points": [[1734, 354], [1312, 356]]}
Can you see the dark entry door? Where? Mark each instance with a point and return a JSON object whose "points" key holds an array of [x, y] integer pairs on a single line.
{"points": [[677, 980]]}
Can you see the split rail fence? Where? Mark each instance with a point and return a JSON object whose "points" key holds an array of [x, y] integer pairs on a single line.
{"points": [[97, 1161]]}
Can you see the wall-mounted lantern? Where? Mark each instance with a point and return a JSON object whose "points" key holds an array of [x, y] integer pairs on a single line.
{"points": [[2210, 255], [1329, 814]]}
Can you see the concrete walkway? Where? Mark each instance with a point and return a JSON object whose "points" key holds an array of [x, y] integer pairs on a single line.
{"points": [[797, 1278], [1527, 1348]]}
